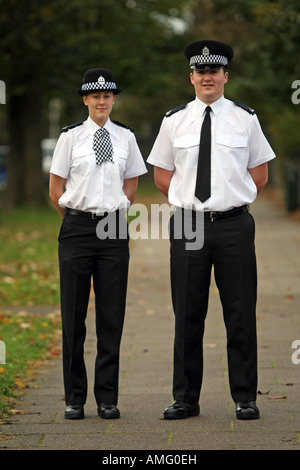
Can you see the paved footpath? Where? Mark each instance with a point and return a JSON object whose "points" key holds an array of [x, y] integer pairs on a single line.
{"points": [[146, 364]]}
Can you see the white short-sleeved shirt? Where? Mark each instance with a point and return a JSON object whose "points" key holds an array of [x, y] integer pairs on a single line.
{"points": [[238, 143], [91, 187]]}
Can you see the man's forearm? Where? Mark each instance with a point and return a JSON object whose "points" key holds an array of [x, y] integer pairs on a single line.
{"points": [[259, 175]]}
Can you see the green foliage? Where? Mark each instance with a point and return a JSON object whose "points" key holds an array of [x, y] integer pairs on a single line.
{"points": [[278, 52], [285, 134], [53, 42]]}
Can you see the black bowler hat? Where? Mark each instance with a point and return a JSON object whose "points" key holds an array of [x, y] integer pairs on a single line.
{"points": [[98, 80], [208, 54]]}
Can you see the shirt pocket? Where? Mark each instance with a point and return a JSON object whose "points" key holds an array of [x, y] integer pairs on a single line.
{"points": [[120, 159], [233, 150], [186, 149], [83, 160]]}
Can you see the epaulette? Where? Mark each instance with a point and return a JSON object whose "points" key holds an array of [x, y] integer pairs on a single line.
{"points": [[245, 107], [71, 126], [174, 110], [123, 125]]}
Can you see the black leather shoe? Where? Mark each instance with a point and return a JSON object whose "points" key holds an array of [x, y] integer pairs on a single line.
{"points": [[181, 410], [74, 412], [246, 410], [107, 411]]}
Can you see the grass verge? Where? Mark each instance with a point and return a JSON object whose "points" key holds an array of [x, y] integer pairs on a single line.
{"points": [[29, 340], [28, 278], [28, 258]]}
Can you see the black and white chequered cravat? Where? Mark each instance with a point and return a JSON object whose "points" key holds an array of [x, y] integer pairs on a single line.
{"points": [[102, 146]]}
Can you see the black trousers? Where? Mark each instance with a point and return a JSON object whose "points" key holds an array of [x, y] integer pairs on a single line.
{"points": [[85, 258], [229, 248]]}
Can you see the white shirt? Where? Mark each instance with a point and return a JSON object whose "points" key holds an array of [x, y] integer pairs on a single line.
{"points": [[238, 143], [91, 187]]}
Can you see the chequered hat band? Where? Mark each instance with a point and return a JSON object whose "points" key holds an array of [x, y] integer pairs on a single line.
{"points": [[99, 86], [208, 59]]}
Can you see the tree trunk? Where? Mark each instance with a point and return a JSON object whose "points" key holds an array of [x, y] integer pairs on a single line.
{"points": [[26, 185]]}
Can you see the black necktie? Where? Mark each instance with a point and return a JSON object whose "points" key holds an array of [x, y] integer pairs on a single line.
{"points": [[202, 190], [102, 146]]}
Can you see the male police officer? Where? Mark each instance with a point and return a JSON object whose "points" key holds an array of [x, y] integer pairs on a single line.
{"points": [[94, 174], [218, 178]]}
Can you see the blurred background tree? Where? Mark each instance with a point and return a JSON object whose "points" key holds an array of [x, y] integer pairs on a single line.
{"points": [[46, 46]]}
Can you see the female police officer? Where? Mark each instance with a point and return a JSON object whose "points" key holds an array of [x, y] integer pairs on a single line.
{"points": [[94, 173]]}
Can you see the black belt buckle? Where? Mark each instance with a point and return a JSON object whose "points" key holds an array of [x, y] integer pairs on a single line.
{"points": [[212, 215], [239, 210]]}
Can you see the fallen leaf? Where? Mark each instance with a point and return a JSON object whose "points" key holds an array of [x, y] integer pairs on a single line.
{"points": [[17, 412], [289, 297], [279, 397], [55, 351], [150, 312], [20, 383], [4, 319], [4, 436]]}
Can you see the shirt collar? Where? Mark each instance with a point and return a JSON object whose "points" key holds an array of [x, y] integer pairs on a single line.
{"points": [[216, 106], [199, 109], [110, 127], [93, 127]]}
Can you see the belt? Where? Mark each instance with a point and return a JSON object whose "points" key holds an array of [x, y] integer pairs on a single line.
{"points": [[87, 215], [214, 215]]}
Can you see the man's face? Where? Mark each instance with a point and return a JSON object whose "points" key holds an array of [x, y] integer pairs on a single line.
{"points": [[209, 84], [100, 104]]}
